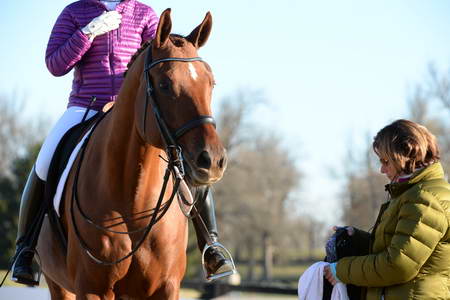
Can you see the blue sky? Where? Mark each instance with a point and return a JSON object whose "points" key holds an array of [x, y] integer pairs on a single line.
{"points": [[332, 71]]}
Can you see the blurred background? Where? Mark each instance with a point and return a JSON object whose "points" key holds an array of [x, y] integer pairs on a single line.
{"points": [[302, 88]]}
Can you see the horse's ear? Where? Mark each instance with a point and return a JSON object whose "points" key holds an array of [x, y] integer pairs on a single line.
{"points": [[200, 34], [164, 28]]}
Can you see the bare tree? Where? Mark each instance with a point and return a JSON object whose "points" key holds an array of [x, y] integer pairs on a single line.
{"points": [[439, 86], [363, 192], [251, 198], [16, 133], [11, 132], [425, 107]]}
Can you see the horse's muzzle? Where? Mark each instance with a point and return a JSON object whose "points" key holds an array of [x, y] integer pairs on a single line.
{"points": [[207, 167]]}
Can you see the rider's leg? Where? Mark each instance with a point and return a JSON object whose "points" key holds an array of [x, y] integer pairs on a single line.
{"points": [[33, 194], [216, 262], [30, 205]]}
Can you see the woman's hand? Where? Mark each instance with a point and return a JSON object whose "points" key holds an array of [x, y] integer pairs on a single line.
{"points": [[107, 21], [328, 274]]}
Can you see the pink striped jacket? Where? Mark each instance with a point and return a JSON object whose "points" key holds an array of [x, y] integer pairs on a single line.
{"points": [[99, 65]]}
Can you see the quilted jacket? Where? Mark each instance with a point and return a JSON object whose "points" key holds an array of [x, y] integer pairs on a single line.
{"points": [[99, 65], [410, 243]]}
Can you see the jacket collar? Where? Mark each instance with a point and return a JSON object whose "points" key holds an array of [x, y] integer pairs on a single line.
{"points": [[125, 4], [433, 171]]}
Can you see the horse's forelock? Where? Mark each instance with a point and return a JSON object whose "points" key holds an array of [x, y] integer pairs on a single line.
{"points": [[177, 40]]}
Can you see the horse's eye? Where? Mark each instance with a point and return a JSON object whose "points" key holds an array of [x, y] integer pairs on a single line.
{"points": [[164, 85]]}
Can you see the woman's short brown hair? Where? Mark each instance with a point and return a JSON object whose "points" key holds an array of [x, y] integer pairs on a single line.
{"points": [[407, 145]]}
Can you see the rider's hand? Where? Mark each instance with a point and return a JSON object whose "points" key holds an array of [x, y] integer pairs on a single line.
{"points": [[107, 21]]}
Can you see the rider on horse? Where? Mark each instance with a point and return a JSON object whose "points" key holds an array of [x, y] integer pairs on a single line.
{"points": [[97, 39]]}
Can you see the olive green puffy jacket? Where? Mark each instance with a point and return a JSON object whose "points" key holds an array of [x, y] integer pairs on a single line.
{"points": [[410, 252]]}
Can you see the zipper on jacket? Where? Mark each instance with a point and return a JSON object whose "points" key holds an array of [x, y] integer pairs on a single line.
{"points": [[111, 64]]}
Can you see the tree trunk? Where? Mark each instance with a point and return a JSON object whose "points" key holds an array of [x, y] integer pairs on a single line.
{"points": [[268, 256], [251, 261]]}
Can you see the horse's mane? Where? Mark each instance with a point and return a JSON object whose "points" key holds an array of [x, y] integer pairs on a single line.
{"points": [[177, 40], [136, 54]]}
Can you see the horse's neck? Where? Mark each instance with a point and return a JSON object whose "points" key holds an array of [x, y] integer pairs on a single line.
{"points": [[134, 169]]}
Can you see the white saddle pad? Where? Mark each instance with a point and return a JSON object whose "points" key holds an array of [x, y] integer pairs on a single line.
{"points": [[63, 178]]}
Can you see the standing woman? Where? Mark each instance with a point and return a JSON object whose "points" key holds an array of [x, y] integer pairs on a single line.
{"points": [[409, 245]]}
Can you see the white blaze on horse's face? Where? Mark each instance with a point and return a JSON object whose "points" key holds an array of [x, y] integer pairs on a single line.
{"points": [[192, 71]]}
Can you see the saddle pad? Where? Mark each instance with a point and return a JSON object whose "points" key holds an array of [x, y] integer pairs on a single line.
{"points": [[65, 173]]}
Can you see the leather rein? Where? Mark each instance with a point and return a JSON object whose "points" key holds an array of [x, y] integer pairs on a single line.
{"points": [[175, 165]]}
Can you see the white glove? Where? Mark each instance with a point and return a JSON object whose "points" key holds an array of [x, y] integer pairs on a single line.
{"points": [[107, 21]]}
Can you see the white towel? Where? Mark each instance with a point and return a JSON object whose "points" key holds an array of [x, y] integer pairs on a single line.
{"points": [[310, 284]]}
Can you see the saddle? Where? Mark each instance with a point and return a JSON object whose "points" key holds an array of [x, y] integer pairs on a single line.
{"points": [[57, 166]]}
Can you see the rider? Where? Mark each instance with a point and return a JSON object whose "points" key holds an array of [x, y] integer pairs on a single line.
{"points": [[96, 38]]}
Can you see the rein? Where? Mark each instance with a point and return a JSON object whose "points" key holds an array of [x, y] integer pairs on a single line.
{"points": [[175, 166]]}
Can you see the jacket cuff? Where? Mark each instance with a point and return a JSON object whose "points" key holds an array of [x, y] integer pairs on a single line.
{"points": [[333, 271], [81, 41]]}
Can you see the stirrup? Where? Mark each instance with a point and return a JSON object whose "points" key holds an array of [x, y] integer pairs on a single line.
{"points": [[218, 246], [25, 281]]}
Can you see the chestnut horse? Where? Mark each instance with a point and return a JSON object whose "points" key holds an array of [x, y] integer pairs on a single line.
{"points": [[134, 245]]}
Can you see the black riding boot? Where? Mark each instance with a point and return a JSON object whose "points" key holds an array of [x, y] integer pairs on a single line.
{"points": [[217, 260], [32, 198]]}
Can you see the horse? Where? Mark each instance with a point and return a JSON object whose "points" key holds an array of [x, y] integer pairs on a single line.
{"points": [[125, 237]]}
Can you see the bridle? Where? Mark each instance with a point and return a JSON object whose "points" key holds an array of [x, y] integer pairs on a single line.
{"points": [[170, 138], [175, 166]]}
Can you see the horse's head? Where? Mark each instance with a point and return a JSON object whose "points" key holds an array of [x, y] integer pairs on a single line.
{"points": [[181, 88]]}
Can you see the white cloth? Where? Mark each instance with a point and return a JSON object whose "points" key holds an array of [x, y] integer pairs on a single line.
{"points": [[72, 116], [310, 284]]}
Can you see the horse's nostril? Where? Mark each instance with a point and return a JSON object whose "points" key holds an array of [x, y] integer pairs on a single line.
{"points": [[204, 160], [222, 162]]}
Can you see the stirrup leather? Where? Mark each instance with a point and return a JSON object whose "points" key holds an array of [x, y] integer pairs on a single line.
{"points": [[219, 247]]}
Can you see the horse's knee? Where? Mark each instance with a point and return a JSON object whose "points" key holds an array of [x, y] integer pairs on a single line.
{"points": [[170, 290], [57, 292]]}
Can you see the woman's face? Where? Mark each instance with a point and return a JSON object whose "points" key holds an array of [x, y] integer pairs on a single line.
{"points": [[388, 169]]}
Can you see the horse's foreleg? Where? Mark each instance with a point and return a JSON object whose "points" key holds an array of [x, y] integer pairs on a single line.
{"points": [[85, 295], [57, 292], [92, 290], [89, 296], [169, 291]]}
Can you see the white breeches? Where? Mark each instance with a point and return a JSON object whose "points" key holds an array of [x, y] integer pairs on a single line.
{"points": [[72, 116]]}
